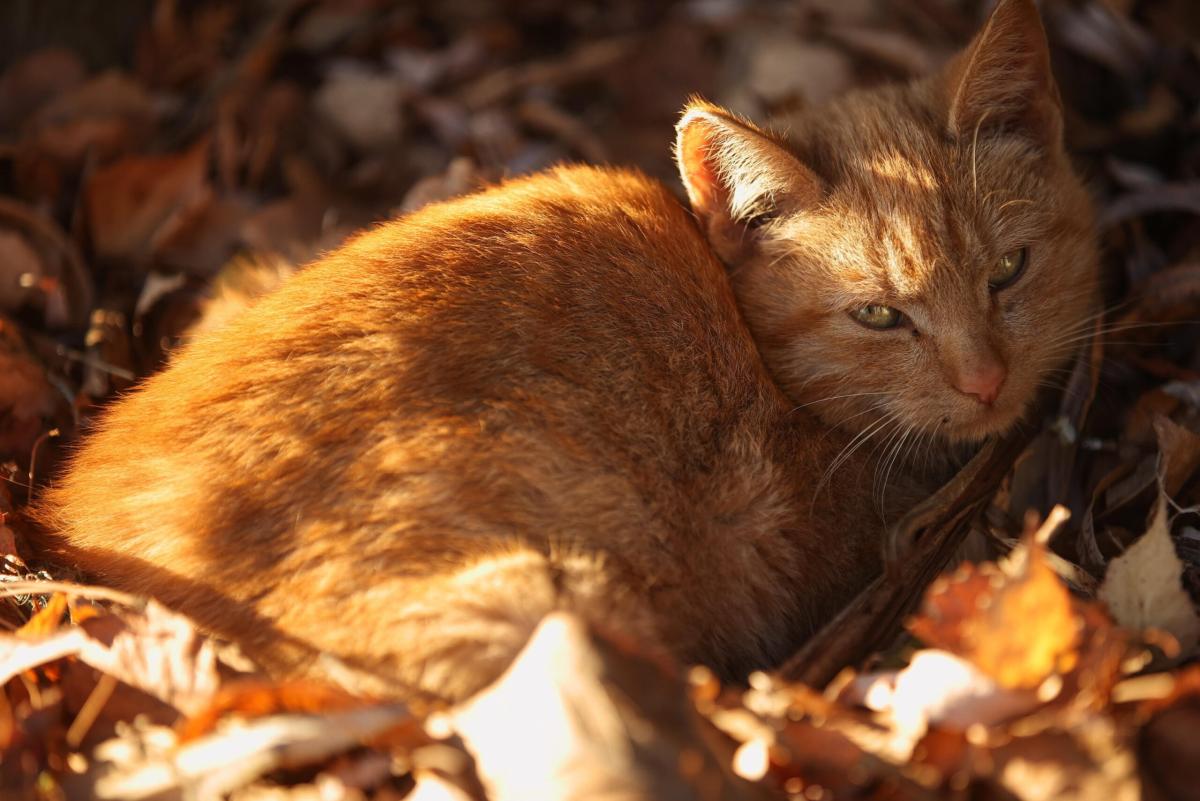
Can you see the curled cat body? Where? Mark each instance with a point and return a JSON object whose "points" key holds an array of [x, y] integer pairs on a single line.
{"points": [[568, 392]]}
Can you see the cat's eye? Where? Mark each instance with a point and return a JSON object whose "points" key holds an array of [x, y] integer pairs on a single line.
{"points": [[1008, 268], [877, 316]]}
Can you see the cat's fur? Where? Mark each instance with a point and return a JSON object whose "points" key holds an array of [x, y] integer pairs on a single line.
{"points": [[546, 395]]}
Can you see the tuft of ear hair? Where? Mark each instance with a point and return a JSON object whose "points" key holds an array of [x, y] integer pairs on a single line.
{"points": [[737, 175], [1003, 81]]}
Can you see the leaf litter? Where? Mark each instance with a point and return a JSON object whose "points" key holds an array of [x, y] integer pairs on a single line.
{"points": [[1064, 666]]}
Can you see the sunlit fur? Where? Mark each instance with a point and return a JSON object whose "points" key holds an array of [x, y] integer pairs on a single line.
{"points": [[907, 196], [534, 398]]}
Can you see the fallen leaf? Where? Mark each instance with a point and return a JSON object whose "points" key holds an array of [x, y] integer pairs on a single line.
{"points": [[36, 78], [220, 762], [1088, 761], [157, 651], [105, 116], [1179, 454], [1143, 587], [784, 69], [365, 105], [26, 396], [608, 723], [20, 270], [260, 698], [893, 49], [983, 614], [129, 201], [938, 688], [47, 619]]}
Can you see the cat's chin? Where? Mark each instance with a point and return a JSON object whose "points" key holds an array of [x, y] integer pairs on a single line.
{"points": [[983, 426]]}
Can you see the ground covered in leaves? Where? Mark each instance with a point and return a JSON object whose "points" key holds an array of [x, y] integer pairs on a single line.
{"points": [[143, 145]]}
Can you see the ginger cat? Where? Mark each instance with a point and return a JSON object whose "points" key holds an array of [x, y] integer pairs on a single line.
{"points": [[554, 395]]}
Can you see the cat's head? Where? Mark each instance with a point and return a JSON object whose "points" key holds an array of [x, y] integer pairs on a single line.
{"points": [[914, 258]]}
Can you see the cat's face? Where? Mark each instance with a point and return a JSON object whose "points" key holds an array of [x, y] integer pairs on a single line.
{"points": [[915, 262]]}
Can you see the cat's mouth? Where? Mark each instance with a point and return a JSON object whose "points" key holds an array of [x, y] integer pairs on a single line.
{"points": [[983, 422]]}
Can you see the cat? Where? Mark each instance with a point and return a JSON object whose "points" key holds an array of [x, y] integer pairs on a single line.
{"points": [[569, 393]]}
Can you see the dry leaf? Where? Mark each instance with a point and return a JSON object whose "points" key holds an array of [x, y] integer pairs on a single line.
{"points": [[1088, 762], [21, 269], [363, 104], [259, 698], [938, 688], [1017, 626], [608, 723], [1179, 450], [1143, 587], [783, 68], [47, 620], [26, 396], [130, 201], [157, 651], [36, 78], [212, 766]]}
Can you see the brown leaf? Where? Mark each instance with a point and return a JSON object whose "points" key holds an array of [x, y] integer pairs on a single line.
{"points": [[106, 116], [1017, 625], [220, 762], [26, 397], [259, 698], [1168, 752], [1179, 454], [157, 651], [47, 620], [45, 266], [1087, 761], [130, 201], [36, 78], [894, 49], [21, 269]]}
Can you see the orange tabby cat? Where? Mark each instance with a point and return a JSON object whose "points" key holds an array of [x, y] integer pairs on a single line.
{"points": [[551, 394]]}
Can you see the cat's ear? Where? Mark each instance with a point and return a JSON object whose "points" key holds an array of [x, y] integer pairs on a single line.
{"points": [[1002, 81], [737, 177]]}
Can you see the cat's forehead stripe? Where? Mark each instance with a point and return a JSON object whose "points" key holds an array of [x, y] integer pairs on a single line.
{"points": [[907, 171]]}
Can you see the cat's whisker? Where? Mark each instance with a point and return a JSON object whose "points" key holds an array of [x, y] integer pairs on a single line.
{"points": [[975, 154], [884, 447], [1115, 328], [857, 442], [1085, 326], [838, 397], [880, 487], [932, 442]]}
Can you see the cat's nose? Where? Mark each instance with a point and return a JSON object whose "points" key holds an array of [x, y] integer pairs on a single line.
{"points": [[982, 381]]}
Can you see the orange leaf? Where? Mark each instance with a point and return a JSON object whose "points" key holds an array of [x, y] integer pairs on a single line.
{"points": [[47, 620], [1018, 626]]}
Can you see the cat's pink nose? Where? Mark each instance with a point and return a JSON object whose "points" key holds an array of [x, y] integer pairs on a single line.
{"points": [[982, 381]]}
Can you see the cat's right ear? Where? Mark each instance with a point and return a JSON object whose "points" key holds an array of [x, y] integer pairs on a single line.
{"points": [[737, 177]]}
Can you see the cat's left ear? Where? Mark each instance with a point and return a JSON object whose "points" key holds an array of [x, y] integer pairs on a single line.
{"points": [[1002, 81], [738, 178]]}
